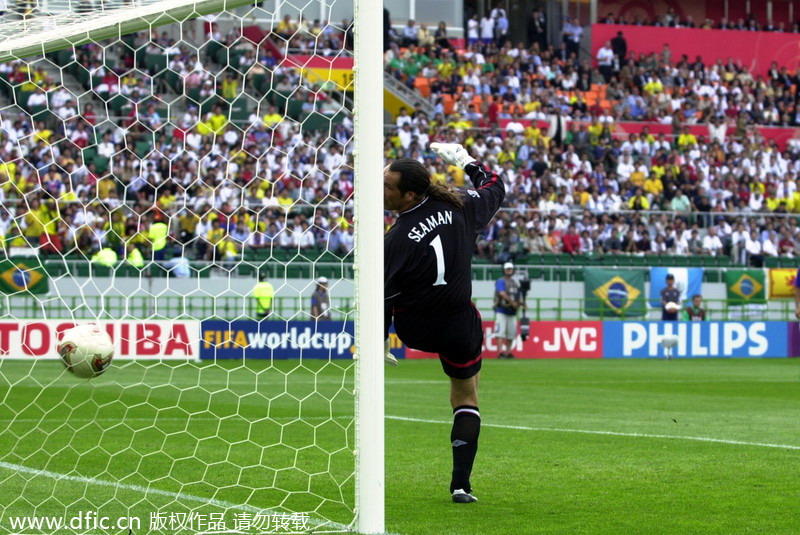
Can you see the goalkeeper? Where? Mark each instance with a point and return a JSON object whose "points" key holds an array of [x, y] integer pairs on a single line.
{"points": [[428, 286]]}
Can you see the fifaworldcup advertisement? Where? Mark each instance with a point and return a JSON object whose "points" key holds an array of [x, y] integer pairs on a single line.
{"points": [[158, 339], [278, 340], [696, 339]]}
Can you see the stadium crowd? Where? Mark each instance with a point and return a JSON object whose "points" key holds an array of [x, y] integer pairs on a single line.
{"points": [[220, 186], [671, 19], [537, 119], [515, 81], [210, 188]]}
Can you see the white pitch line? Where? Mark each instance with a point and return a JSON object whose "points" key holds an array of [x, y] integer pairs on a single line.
{"points": [[206, 384], [420, 420], [144, 490], [154, 421], [609, 433]]}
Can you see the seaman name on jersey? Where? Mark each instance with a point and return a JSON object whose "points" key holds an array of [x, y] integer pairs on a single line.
{"points": [[428, 224]]}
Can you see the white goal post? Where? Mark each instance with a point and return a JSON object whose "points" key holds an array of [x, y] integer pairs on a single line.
{"points": [[369, 272]]}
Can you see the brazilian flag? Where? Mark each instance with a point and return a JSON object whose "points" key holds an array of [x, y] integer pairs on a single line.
{"points": [[746, 286], [619, 293], [21, 276]]}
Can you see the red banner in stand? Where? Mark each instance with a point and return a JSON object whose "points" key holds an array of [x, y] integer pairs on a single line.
{"points": [[547, 340], [754, 50], [781, 135]]}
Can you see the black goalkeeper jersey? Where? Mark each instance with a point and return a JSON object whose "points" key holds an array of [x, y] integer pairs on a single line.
{"points": [[428, 251]]}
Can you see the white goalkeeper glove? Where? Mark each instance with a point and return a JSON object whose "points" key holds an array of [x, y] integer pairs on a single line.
{"points": [[453, 153], [388, 358]]}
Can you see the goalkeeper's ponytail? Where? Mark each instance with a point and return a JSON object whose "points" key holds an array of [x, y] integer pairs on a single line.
{"points": [[445, 193], [415, 177]]}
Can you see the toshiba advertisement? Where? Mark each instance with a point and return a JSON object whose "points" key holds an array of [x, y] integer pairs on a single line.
{"points": [[171, 340]]}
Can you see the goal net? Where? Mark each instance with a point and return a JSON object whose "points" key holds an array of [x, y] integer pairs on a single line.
{"points": [[183, 174]]}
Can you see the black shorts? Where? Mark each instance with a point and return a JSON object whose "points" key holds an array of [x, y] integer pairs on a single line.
{"points": [[457, 339]]}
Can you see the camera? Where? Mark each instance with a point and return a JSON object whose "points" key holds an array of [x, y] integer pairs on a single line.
{"points": [[524, 321], [525, 286], [524, 328]]}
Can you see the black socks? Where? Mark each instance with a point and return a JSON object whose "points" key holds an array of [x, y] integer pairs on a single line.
{"points": [[464, 439]]}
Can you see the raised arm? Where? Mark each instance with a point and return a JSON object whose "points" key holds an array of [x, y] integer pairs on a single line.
{"points": [[489, 190]]}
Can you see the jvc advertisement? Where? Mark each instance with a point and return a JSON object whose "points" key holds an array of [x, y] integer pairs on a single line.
{"points": [[632, 339], [547, 340], [277, 339]]}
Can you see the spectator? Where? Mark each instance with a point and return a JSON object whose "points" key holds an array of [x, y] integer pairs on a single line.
{"points": [[605, 60], [536, 242], [786, 245], [620, 48], [487, 30], [501, 27], [613, 244], [644, 245], [694, 244], [286, 28], [769, 247], [681, 204], [536, 29], [571, 241], [739, 240], [410, 34], [716, 130], [473, 30], [440, 36], [571, 35], [639, 201], [424, 36], [712, 245]]}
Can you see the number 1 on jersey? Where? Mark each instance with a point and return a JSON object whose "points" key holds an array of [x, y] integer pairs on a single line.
{"points": [[437, 248]]}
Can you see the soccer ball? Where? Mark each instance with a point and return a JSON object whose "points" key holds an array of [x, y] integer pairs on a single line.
{"points": [[672, 307], [86, 350]]}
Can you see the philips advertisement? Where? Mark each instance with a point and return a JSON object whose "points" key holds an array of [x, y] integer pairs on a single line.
{"points": [[277, 339], [715, 339]]}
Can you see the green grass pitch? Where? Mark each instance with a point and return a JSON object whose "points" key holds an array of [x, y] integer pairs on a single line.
{"points": [[567, 446]]}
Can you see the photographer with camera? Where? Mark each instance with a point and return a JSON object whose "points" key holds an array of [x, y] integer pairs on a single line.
{"points": [[508, 299]]}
